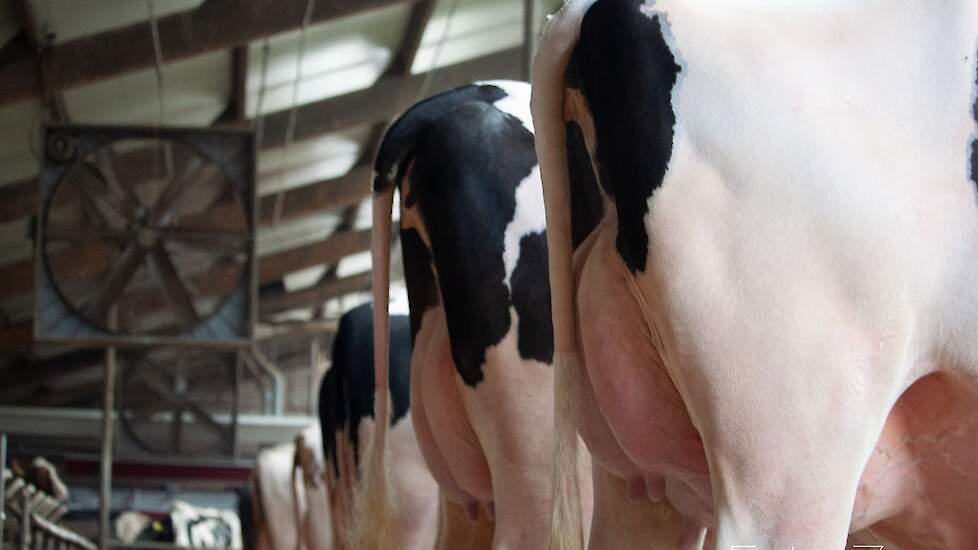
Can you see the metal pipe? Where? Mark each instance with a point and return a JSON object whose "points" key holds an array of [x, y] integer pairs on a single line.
{"points": [[3, 482], [105, 492], [314, 376], [278, 380], [236, 407]]}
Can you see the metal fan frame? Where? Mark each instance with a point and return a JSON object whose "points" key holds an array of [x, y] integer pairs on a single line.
{"points": [[233, 152], [178, 403]]}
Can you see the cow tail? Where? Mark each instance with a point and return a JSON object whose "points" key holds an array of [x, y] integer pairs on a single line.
{"points": [[373, 522], [547, 106]]}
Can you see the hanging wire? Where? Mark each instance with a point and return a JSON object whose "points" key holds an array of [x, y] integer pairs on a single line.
{"points": [[433, 68], [154, 30], [290, 128]]}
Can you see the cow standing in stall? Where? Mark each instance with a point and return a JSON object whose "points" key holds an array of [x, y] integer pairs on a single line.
{"points": [[786, 268], [289, 506], [474, 252], [346, 406]]}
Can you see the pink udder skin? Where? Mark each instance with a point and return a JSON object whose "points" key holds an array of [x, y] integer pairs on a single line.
{"points": [[920, 487]]}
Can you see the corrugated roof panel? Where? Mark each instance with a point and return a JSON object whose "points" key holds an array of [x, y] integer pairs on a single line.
{"points": [[195, 91], [340, 56], [21, 123], [70, 19], [309, 160], [476, 27], [296, 233]]}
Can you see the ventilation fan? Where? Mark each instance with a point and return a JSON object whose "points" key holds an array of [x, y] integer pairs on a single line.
{"points": [[172, 401], [146, 237]]}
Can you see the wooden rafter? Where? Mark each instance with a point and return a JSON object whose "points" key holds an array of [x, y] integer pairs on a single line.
{"points": [[24, 12], [400, 67], [214, 25], [386, 99], [411, 42], [272, 304], [331, 250], [54, 103], [239, 79], [379, 103]]}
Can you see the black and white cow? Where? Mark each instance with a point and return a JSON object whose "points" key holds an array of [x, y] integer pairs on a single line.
{"points": [[787, 265], [475, 264], [346, 414], [184, 525]]}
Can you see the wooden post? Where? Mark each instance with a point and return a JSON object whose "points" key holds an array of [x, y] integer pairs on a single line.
{"points": [[105, 490], [314, 375]]}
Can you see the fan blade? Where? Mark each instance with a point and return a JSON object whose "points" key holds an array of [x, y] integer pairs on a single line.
{"points": [[175, 190], [98, 193], [142, 414], [198, 412], [98, 306], [83, 233], [221, 241], [106, 162], [173, 287]]}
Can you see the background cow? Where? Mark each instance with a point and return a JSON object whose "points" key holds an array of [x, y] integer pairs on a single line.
{"points": [[346, 405], [290, 505], [789, 246], [474, 250], [185, 525]]}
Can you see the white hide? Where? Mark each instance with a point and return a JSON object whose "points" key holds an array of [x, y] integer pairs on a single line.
{"points": [[527, 219], [516, 102], [814, 244]]}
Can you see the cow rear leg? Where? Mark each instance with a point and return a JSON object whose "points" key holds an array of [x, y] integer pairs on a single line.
{"points": [[782, 475], [428, 357]]}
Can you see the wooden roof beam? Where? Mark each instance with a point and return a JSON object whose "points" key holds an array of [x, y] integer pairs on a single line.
{"points": [[386, 99], [214, 25], [411, 43], [331, 250], [272, 304], [383, 101]]}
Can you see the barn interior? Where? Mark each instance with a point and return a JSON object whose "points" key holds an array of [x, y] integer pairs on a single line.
{"points": [[148, 367]]}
